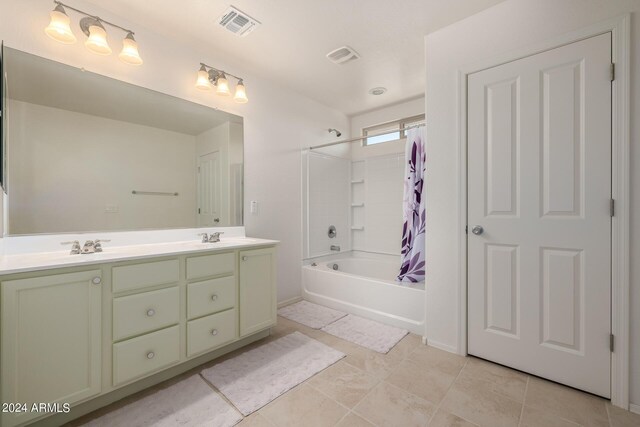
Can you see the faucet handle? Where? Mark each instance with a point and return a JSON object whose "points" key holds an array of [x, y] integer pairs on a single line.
{"points": [[215, 237], [98, 244], [205, 237], [75, 249]]}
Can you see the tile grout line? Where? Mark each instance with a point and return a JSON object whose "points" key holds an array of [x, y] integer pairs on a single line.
{"points": [[524, 399], [466, 362]]}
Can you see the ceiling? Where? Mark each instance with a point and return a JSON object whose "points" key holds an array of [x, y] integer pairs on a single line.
{"points": [[40, 81], [295, 36]]}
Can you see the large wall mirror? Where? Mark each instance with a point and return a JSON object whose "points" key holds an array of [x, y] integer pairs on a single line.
{"points": [[89, 153]]}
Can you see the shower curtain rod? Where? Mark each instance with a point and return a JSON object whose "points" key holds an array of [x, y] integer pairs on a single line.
{"points": [[360, 138]]}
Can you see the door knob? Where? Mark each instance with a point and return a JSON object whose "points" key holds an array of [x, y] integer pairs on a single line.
{"points": [[477, 230]]}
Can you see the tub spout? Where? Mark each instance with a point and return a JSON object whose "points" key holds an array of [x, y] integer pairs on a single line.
{"points": [[335, 248]]}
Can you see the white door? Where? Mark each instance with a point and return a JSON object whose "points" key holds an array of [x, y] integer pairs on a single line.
{"points": [[209, 190], [539, 184]]}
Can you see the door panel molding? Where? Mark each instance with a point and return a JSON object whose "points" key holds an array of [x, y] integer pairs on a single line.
{"points": [[619, 27]]}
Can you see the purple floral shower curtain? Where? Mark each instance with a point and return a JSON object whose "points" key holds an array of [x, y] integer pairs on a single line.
{"points": [[412, 267]]}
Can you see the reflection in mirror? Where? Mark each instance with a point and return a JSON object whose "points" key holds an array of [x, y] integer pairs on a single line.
{"points": [[90, 153]]}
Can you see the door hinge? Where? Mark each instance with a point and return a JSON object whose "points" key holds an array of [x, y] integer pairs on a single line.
{"points": [[198, 210], [613, 71], [611, 342], [466, 229], [612, 208]]}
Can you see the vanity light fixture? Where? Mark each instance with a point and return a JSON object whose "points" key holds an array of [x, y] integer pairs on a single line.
{"points": [[209, 76], [59, 29]]}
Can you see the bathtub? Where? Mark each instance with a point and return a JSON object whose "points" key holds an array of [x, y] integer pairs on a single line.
{"points": [[364, 285]]}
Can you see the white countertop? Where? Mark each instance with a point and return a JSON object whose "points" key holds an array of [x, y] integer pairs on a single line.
{"points": [[21, 263]]}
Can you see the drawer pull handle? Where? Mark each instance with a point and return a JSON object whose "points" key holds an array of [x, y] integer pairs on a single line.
{"points": [[151, 355], [214, 297], [214, 332], [96, 280], [244, 258], [151, 312]]}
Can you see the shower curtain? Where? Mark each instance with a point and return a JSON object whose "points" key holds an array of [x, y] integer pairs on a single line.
{"points": [[412, 267]]}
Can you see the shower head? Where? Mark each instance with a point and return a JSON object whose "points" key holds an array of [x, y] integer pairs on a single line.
{"points": [[338, 133]]}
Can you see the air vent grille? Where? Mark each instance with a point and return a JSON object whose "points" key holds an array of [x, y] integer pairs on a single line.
{"points": [[237, 22], [343, 55]]}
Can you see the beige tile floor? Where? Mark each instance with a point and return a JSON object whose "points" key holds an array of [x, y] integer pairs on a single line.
{"points": [[415, 385]]}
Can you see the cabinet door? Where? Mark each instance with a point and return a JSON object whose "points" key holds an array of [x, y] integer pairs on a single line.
{"points": [[257, 290], [51, 340]]}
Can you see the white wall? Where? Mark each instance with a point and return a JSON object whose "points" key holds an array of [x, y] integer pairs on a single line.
{"points": [[277, 121], [66, 168], [502, 28]]}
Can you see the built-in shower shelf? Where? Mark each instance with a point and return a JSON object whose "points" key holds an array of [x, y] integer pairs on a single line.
{"points": [[357, 205], [358, 228], [358, 181]]}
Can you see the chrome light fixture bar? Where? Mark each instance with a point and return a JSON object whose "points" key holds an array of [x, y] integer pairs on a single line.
{"points": [[92, 26], [210, 77]]}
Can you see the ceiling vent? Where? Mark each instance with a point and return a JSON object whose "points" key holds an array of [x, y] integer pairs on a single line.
{"points": [[238, 22], [342, 55]]}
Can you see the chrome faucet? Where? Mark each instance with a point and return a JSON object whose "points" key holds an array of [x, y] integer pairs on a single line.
{"points": [[335, 248], [213, 238], [90, 246]]}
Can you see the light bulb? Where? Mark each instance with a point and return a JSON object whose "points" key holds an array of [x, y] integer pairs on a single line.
{"points": [[202, 82], [241, 94], [222, 85], [59, 28], [129, 52], [97, 41]]}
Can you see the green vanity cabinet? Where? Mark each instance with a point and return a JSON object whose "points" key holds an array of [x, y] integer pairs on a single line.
{"points": [[51, 341], [257, 290], [94, 333]]}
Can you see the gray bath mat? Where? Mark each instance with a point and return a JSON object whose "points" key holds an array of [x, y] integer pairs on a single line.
{"points": [[189, 403], [255, 378], [367, 333], [312, 315]]}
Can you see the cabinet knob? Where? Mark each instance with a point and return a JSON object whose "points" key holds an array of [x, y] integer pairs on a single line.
{"points": [[151, 312], [214, 332], [244, 258], [214, 297], [96, 280], [151, 355]]}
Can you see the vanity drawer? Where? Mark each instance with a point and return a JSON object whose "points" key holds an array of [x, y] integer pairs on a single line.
{"points": [[130, 277], [212, 331], [139, 356], [211, 296], [199, 267], [148, 311]]}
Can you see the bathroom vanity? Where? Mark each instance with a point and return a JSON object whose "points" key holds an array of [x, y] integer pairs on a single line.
{"points": [[83, 157], [76, 327]]}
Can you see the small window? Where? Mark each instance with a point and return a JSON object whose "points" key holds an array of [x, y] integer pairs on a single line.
{"points": [[389, 132]]}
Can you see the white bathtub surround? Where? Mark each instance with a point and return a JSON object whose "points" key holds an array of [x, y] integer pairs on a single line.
{"points": [[189, 403], [255, 378], [312, 315], [367, 333], [365, 285]]}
